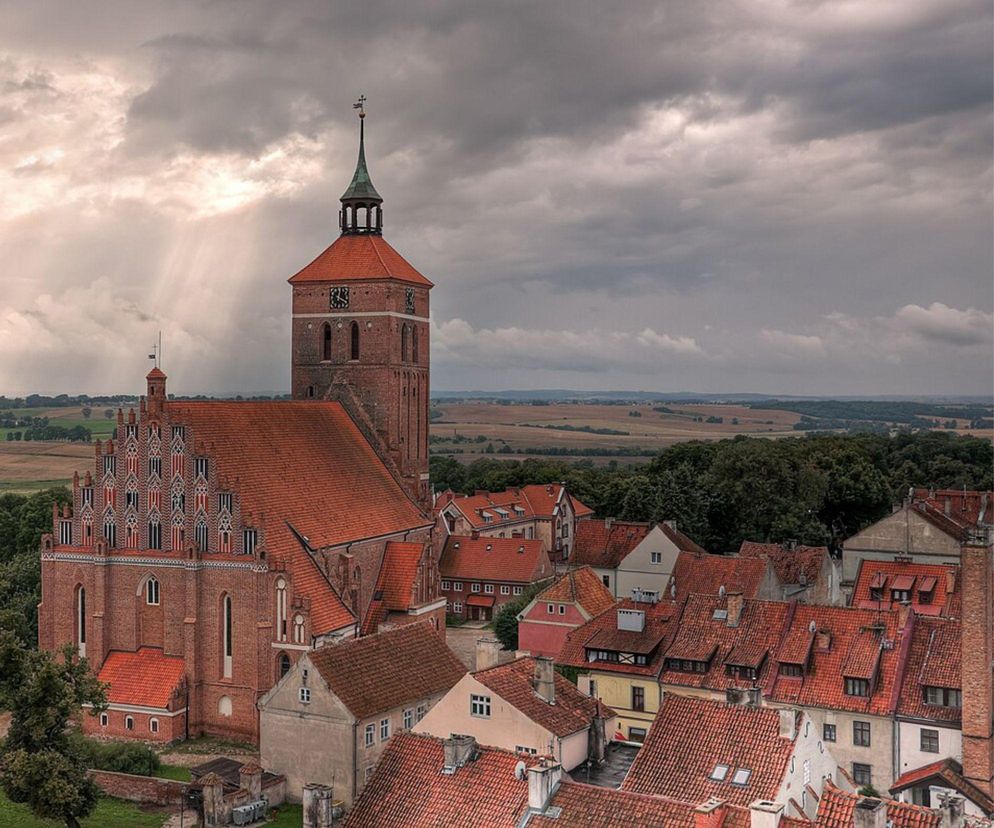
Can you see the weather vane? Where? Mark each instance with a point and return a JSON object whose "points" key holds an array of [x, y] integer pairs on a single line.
{"points": [[360, 105]]}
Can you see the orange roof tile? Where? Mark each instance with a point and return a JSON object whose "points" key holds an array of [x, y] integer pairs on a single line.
{"points": [[946, 773], [398, 572], [935, 588], [360, 257], [933, 661], [379, 672], [145, 678], [606, 543], [515, 683], [697, 573], [279, 450], [737, 736], [581, 587], [792, 564], [955, 511], [836, 809], [494, 559]]}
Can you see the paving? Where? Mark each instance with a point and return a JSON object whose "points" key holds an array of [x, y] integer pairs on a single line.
{"points": [[462, 641], [612, 771]]}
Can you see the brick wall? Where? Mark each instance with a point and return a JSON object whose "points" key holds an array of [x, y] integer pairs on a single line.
{"points": [[977, 653], [145, 789]]}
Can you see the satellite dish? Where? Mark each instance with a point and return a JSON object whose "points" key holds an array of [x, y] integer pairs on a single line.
{"points": [[520, 770]]}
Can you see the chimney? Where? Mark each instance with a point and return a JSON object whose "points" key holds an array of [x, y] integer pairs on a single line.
{"points": [[823, 640], [869, 813], [754, 697], [734, 606], [457, 751], [711, 814], [764, 814], [788, 724], [607, 524], [952, 811], [733, 695], [903, 613], [475, 534], [250, 779], [543, 779], [487, 653], [977, 654], [545, 679]]}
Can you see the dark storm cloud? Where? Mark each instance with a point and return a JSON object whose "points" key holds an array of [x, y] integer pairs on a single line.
{"points": [[682, 182]]}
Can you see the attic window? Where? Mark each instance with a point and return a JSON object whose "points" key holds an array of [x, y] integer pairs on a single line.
{"points": [[719, 615], [857, 687], [719, 774], [741, 776]]}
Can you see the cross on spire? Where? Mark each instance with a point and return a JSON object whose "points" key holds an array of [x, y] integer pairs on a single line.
{"points": [[360, 105]]}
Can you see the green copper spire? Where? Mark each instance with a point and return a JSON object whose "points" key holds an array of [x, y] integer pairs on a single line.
{"points": [[362, 210], [361, 188]]}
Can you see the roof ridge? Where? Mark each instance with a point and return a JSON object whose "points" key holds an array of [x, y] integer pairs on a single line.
{"points": [[372, 241]]}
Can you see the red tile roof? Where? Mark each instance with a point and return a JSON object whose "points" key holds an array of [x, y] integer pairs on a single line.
{"points": [[361, 257], [670, 764], [705, 635], [855, 643], [515, 683], [494, 559], [394, 584], [145, 678], [955, 511], [377, 673], [409, 790], [933, 661], [533, 501], [946, 773], [836, 809], [697, 573], [280, 450], [792, 564], [581, 587], [606, 543], [660, 626], [943, 579], [682, 542]]}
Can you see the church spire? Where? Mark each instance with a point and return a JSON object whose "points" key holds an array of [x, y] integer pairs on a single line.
{"points": [[361, 195]]}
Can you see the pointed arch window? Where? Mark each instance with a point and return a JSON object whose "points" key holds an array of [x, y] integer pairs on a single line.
{"points": [[81, 621], [282, 665], [152, 591], [131, 531], [281, 605], [326, 342], [226, 636], [298, 629], [414, 344], [405, 338], [224, 534], [110, 529], [200, 536], [177, 533], [154, 532], [354, 341]]}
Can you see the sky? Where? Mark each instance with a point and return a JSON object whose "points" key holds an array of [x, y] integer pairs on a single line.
{"points": [[770, 196]]}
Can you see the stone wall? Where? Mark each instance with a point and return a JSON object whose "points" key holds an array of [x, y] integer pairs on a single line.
{"points": [[145, 789]]}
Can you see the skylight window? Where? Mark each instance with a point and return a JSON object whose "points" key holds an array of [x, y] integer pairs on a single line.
{"points": [[719, 773], [741, 776]]}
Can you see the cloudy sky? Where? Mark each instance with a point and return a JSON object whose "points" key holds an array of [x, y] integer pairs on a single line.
{"points": [[779, 196]]}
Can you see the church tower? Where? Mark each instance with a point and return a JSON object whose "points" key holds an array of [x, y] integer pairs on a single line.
{"points": [[360, 332]]}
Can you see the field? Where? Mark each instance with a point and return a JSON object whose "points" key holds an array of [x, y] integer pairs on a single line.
{"points": [[108, 812], [101, 426], [28, 467], [465, 430]]}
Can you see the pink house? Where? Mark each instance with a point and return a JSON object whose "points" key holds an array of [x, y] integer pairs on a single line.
{"points": [[568, 603]]}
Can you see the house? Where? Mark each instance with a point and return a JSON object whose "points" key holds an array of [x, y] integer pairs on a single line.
{"points": [[629, 555], [480, 574], [840, 809], [930, 784], [545, 512], [929, 589], [526, 707], [574, 598], [229, 537], [805, 573], [699, 572], [620, 655], [329, 718], [698, 749], [928, 527]]}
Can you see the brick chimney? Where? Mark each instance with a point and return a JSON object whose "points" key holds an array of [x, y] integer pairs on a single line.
{"points": [[869, 813], [487, 653], [976, 631], [543, 779], [711, 814], [545, 679], [764, 814], [734, 606], [457, 751]]}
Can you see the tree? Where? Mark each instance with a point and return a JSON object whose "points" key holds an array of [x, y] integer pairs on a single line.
{"points": [[506, 623], [109, 413], [41, 766], [87, 411]]}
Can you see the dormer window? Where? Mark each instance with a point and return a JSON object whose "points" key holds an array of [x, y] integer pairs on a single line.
{"points": [[686, 665], [943, 697], [737, 671], [857, 687], [791, 670]]}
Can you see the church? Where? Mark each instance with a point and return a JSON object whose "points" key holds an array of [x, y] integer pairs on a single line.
{"points": [[214, 542]]}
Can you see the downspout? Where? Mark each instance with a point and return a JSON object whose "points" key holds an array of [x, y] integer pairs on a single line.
{"points": [[355, 762]]}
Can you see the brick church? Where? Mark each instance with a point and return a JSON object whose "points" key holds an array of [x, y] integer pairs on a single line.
{"points": [[214, 542]]}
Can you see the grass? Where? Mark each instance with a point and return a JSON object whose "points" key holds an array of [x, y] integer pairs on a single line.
{"points": [[29, 486], [175, 772], [288, 816], [211, 744], [109, 812]]}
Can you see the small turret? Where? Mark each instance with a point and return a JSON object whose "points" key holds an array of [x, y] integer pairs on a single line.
{"points": [[156, 380]]}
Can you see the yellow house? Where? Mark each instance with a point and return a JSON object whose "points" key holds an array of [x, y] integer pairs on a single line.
{"points": [[619, 654]]}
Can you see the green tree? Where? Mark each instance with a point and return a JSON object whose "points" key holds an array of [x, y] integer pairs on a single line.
{"points": [[86, 411], [41, 766], [506, 623], [109, 413]]}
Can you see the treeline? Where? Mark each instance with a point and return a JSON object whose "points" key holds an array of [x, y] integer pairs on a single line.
{"points": [[73, 434], [23, 520], [908, 413], [818, 490]]}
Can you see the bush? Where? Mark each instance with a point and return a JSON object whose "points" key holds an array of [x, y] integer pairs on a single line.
{"points": [[122, 757]]}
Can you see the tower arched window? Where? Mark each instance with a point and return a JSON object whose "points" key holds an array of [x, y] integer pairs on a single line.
{"points": [[326, 342], [405, 335], [226, 636], [81, 621], [354, 342], [281, 618], [298, 629], [414, 344], [282, 665], [152, 591]]}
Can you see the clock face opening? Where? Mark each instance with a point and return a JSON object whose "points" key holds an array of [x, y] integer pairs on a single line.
{"points": [[338, 298]]}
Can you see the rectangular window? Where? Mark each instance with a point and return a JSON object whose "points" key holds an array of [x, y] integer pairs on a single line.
{"points": [[719, 773], [862, 774], [86, 495], [179, 431], [606, 579], [593, 688], [304, 694], [793, 670], [131, 500], [656, 557], [857, 687], [943, 697], [636, 734], [741, 776], [200, 467], [65, 533], [475, 588], [479, 706], [110, 464], [249, 539], [638, 698], [505, 589], [528, 751], [370, 735], [861, 734], [457, 607], [408, 719], [828, 732], [226, 502], [930, 740], [562, 609], [421, 711], [446, 584], [457, 586], [155, 466], [550, 608], [384, 729], [519, 590], [489, 589]]}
